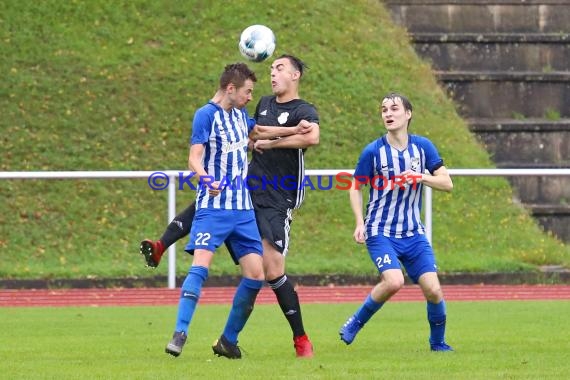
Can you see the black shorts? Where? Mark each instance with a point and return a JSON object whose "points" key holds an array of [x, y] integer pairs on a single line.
{"points": [[274, 226]]}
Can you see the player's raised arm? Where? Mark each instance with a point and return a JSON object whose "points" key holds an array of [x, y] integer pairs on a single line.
{"points": [[307, 137], [261, 132], [439, 180]]}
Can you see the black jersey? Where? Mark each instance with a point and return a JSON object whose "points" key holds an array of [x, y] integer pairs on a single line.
{"points": [[275, 177]]}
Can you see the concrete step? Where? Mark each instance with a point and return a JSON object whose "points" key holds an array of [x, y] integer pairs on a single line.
{"points": [[542, 190], [495, 51], [533, 143], [542, 209], [546, 16], [553, 218], [506, 63], [489, 94], [527, 142], [547, 191]]}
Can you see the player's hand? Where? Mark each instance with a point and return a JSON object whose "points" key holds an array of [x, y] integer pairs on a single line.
{"points": [[359, 234], [250, 144], [303, 127], [260, 145], [214, 189], [411, 177]]}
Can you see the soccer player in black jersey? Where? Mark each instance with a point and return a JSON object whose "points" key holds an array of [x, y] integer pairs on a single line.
{"points": [[275, 178]]}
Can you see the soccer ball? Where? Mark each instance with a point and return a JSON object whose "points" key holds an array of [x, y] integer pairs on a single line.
{"points": [[257, 43]]}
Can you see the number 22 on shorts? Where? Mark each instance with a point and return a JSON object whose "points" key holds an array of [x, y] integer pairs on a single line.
{"points": [[202, 238]]}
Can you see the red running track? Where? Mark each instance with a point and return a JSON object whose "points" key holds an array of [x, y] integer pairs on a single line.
{"points": [[307, 294]]}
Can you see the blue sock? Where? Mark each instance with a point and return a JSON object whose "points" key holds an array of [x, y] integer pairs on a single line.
{"points": [[368, 309], [242, 307], [189, 296], [436, 317]]}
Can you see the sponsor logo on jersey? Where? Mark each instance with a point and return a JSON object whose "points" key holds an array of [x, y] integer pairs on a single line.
{"points": [[233, 146]]}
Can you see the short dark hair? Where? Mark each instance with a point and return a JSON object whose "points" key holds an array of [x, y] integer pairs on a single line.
{"points": [[296, 62], [405, 102], [236, 73]]}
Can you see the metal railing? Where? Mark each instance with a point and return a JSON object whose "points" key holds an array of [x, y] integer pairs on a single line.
{"points": [[173, 175]]}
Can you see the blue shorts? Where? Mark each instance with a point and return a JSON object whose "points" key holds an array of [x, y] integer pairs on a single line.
{"points": [[211, 227], [415, 253]]}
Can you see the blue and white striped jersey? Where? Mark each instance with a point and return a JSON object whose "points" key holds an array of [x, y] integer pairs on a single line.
{"points": [[393, 209], [225, 136]]}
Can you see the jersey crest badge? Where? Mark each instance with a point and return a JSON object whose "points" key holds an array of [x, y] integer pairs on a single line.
{"points": [[282, 119], [415, 161]]}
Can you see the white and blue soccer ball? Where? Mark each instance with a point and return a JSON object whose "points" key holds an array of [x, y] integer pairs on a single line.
{"points": [[257, 43]]}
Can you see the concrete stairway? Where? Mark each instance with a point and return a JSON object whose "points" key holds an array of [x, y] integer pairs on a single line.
{"points": [[507, 66]]}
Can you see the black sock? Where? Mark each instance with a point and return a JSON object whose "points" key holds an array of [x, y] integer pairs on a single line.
{"points": [[289, 302], [179, 227]]}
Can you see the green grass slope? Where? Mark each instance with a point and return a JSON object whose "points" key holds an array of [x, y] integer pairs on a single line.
{"points": [[112, 85]]}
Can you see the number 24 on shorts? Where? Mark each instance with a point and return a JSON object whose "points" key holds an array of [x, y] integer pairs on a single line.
{"points": [[381, 261]]}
